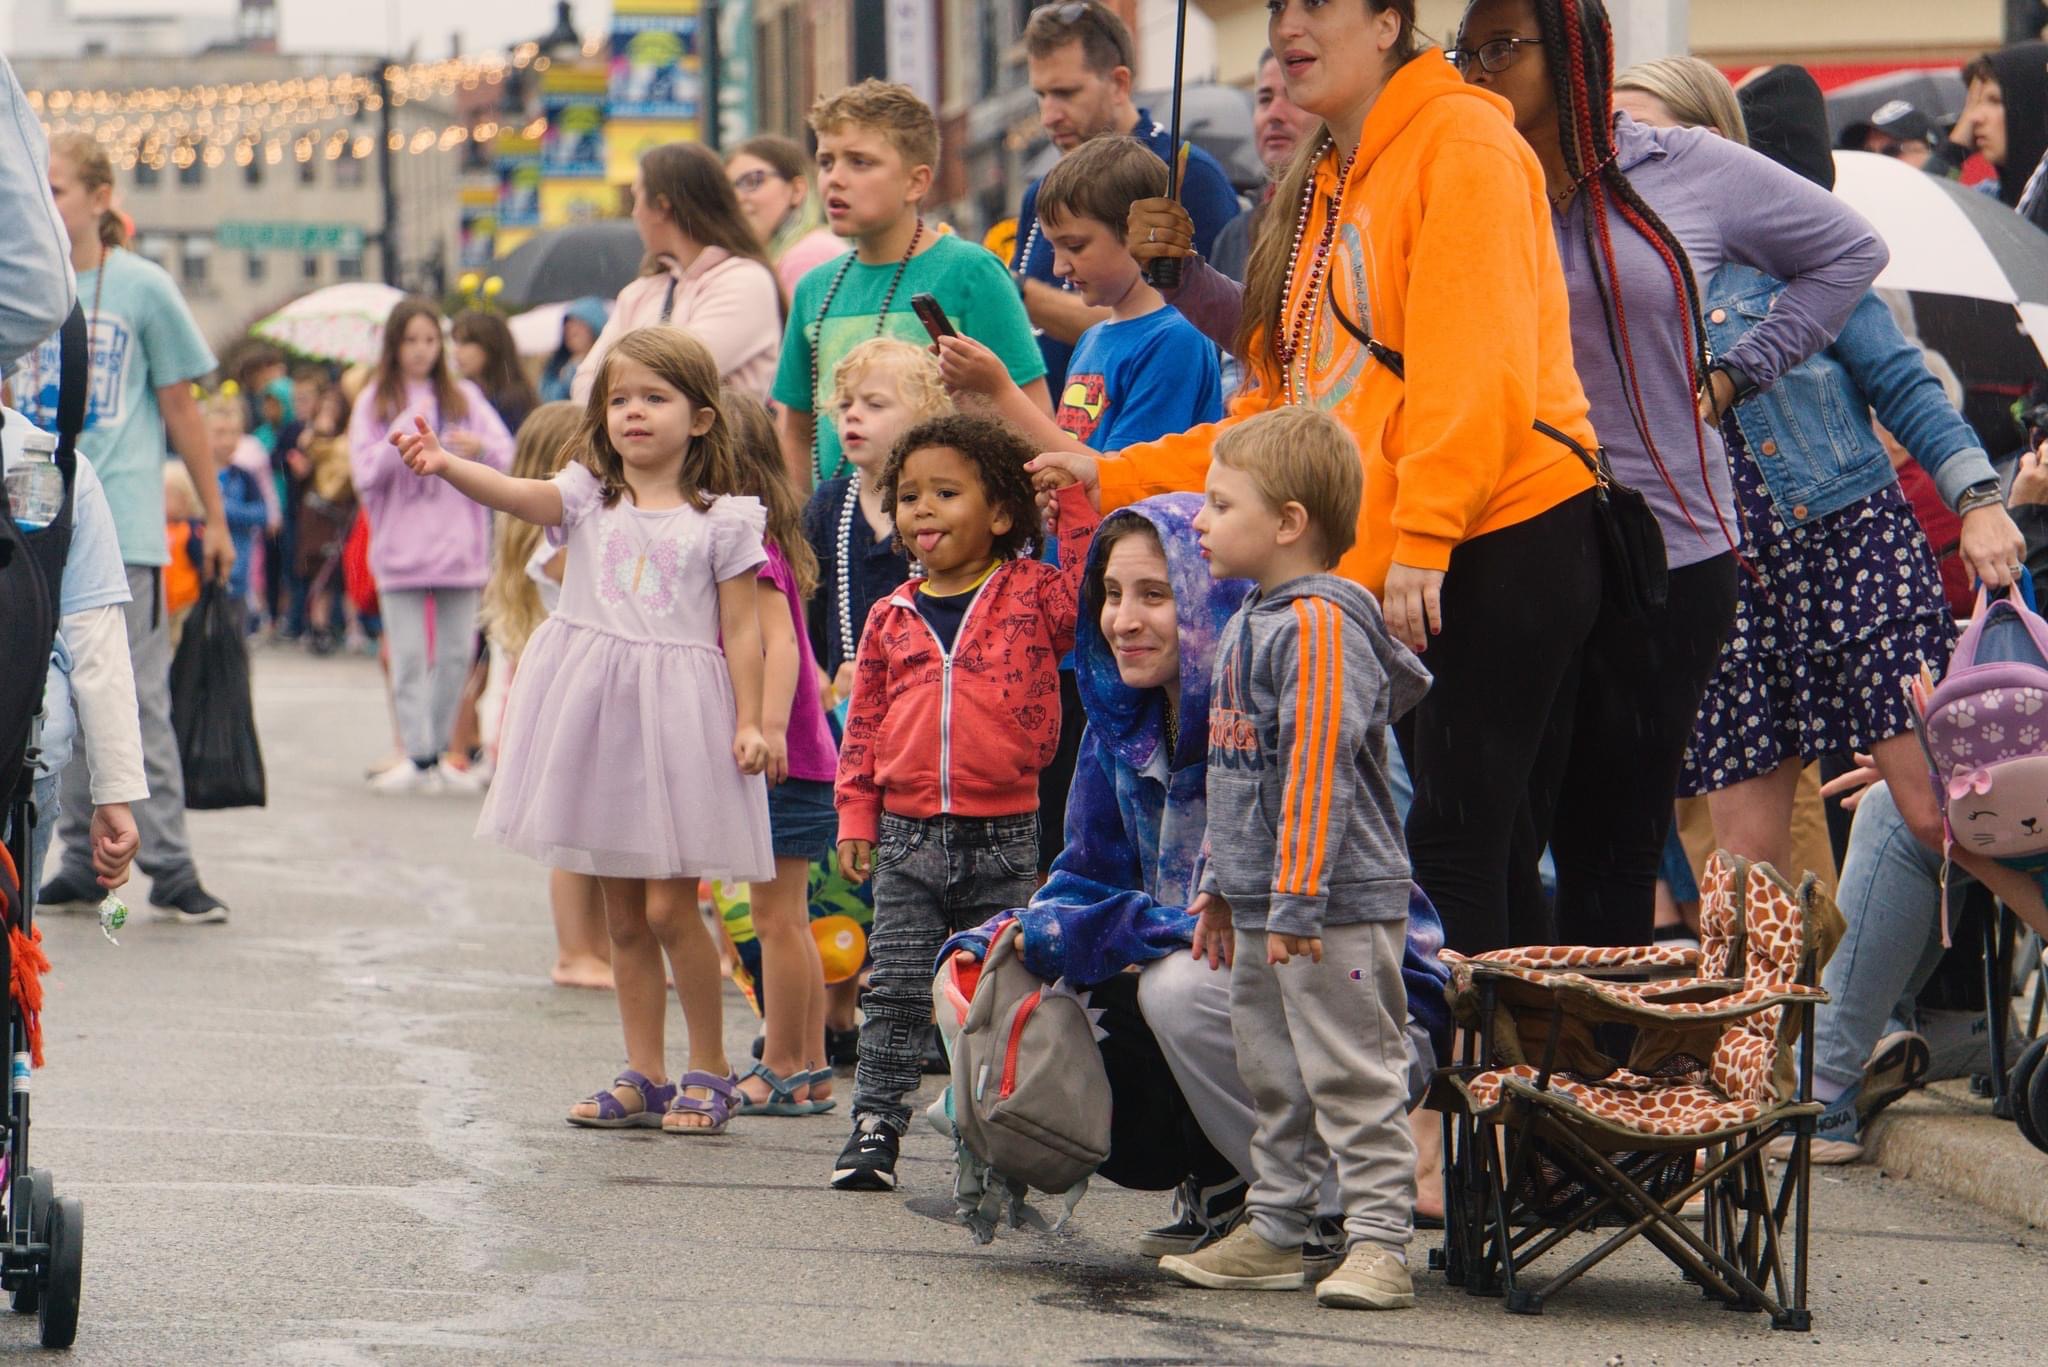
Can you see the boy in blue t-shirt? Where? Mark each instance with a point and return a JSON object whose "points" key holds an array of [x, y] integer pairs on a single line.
{"points": [[1142, 374]]}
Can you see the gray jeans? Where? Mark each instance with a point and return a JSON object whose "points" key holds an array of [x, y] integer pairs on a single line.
{"points": [[166, 854], [932, 878], [426, 691]]}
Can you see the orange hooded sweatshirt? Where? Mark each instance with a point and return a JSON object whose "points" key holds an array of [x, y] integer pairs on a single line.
{"points": [[1443, 252]]}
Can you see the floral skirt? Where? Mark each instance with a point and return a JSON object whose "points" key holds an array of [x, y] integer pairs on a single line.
{"points": [[1837, 612]]}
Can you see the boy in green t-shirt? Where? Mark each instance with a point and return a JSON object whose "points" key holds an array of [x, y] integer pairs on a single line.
{"points": [[877, 145]]}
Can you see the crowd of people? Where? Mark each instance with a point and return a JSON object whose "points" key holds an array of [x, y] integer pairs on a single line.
{"points": [[843, 560]]}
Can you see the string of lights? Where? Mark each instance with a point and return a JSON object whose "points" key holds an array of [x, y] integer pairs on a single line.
{"points": [[176, 126]]}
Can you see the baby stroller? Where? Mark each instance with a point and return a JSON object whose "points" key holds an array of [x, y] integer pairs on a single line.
{"points": [[42, 1242]]}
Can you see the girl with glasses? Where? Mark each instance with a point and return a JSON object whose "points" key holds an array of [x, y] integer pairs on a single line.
{"points": [[771, 177]]}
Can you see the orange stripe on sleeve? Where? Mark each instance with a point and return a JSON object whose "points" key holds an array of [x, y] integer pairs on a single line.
{"points": [[1333, 723], [1297, 797]]}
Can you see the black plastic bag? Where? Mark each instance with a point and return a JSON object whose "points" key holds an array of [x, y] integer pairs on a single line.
{"points": [[210, 710]]}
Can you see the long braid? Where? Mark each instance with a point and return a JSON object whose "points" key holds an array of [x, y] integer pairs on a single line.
{"points": [[1585, 107]]}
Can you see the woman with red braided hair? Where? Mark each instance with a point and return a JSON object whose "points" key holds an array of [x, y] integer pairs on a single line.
{"points": [[1640, 216]]}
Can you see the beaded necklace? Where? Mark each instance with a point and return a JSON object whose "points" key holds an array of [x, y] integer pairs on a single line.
{"points": [[849, 507], [1294, 338], [818, 326]]}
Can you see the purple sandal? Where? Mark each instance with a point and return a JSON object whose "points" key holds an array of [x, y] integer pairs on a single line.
{"points": [[612, 1114], [719, 1106]]}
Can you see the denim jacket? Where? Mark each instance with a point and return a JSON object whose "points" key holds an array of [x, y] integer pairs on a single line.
{"points": [[1810, 433]]}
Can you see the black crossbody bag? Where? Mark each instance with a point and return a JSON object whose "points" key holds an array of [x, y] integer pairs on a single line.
{"points": [[1635, 579]]}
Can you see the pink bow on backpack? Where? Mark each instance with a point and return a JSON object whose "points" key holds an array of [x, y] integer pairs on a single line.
{"points": [[1962, 785]]}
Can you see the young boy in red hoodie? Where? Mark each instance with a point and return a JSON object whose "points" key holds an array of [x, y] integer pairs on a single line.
{"points": [[956, 708]]}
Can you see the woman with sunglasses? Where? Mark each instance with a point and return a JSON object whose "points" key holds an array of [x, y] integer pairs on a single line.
{"points": [[1413, 221], [1642, 217], [705, 272], [770, 175]]}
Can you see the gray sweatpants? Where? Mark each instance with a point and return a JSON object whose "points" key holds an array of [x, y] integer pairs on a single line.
{"points": [[426, 691], [166, 854], [1324, 1054]]}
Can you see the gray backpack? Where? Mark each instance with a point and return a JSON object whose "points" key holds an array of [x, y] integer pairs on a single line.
{"points": [[1030, 1098]]}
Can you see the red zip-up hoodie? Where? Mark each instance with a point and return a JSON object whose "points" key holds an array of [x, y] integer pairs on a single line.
{"points": [[963, 734]]}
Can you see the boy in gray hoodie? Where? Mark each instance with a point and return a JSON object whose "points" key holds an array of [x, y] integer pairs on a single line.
{"points": [[1304, 893]]}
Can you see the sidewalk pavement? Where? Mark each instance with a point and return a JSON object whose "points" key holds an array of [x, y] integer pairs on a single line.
{"points": [[1943, 1137]]}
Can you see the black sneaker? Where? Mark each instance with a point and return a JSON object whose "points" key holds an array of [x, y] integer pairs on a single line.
{"points": [[842, 1047], [71, 892], [868, 1162], [194, 906], [1202, 1216], [1322, 1250]]}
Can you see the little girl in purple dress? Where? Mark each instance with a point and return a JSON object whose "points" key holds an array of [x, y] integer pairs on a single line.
{"points": [[633, 745]]}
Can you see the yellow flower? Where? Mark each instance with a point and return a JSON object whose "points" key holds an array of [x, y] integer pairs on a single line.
{"points": [[493, 287], [229, 389], [468, 283]]}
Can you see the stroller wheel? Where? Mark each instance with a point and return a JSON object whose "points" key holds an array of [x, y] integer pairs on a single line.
{"points": [[2031, 1106], [41, 1188], [2026, 1076], [58, 1313]]}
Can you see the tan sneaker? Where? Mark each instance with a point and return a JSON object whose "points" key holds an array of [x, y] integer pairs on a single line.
{"points": [[1372, 1278], [1240, 1261]]}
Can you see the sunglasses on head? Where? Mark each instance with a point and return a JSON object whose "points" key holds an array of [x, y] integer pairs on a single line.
{"points": [[1074, 12]]}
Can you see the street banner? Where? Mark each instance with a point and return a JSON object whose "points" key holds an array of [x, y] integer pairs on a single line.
{"points": [[563, 202], [518, 182], [627, 140], [657, 60], [478, 222], [572, 96]]}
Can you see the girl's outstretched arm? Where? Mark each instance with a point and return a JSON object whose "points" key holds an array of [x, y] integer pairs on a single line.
{"points": [[530, 500], [739, 626]]}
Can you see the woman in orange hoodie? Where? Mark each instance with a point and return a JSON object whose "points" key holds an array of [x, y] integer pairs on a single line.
{"points": [[1408, 283]]}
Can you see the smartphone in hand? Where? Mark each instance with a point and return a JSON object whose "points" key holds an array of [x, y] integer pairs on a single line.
{"points": [[932, 316]]}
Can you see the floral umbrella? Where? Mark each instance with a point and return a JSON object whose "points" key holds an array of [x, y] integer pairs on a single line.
{"points": [[343, 323]]}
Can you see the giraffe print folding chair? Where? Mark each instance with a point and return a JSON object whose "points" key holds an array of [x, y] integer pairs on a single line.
{"points": [[1549, 1134]]}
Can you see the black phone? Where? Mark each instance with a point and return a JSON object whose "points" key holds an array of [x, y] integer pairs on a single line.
{"points": [[932, 316]]}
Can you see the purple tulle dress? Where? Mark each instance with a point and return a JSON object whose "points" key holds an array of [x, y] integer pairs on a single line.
{"points": [[617, 753]]}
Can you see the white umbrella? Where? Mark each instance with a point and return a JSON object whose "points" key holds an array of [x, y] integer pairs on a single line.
{"points": [[538, 331], [343, 323], [1947, 239]]}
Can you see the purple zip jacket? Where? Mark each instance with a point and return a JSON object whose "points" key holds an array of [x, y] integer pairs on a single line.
{"points": [[1724, 203], [423, 533]]}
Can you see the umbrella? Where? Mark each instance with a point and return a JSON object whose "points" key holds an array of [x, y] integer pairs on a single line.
{"points": [[537, 332], [1937, 94], [598, 258], [1164, 271], [343, 323], [1950, 243]]}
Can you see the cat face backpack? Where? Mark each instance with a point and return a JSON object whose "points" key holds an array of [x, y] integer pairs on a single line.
{"points": [[1985, 731]]}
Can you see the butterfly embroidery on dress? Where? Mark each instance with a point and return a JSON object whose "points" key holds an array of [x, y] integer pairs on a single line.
{"points": [[649, 574]]}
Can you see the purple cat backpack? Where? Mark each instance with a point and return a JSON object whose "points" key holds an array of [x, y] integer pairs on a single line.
{"points": [[1985, 728]]}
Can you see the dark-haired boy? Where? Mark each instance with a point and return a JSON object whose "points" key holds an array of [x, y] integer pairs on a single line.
{"points": [[877, 145], [955, 711], [1141, 373]]}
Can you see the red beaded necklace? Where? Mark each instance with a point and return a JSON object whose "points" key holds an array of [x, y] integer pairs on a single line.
{"points": [[1301, 318]]}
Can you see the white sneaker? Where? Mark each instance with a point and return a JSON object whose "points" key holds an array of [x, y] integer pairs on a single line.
{"points": [[460, 782], [407, 778]]}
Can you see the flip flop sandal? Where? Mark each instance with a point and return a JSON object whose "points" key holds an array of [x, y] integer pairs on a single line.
{"points": [[825, 1103], [612, 1113], [725, 1094], [781, 1093]]}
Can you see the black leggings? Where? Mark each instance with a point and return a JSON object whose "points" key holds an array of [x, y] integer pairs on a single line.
{"points": [[1639, 697], [1518, 605]]}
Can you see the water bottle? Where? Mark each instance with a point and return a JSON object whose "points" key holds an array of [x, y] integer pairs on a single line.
{"points": [[35, 486]]}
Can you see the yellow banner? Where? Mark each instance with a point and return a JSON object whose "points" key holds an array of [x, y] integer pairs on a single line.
{"points": [[627, 140]]}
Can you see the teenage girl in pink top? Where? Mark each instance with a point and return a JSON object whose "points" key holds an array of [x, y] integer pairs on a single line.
{"points": [[705, 273]]}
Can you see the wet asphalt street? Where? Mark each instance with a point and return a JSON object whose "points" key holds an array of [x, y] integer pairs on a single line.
{"points": [[331, 1132]]}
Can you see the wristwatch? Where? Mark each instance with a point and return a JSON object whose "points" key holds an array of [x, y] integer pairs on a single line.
{"points": [[1985, 493], [1742, 387]]}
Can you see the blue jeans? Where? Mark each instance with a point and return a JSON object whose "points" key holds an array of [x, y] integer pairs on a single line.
{"points": [[39, 838], [1891, 898]]}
